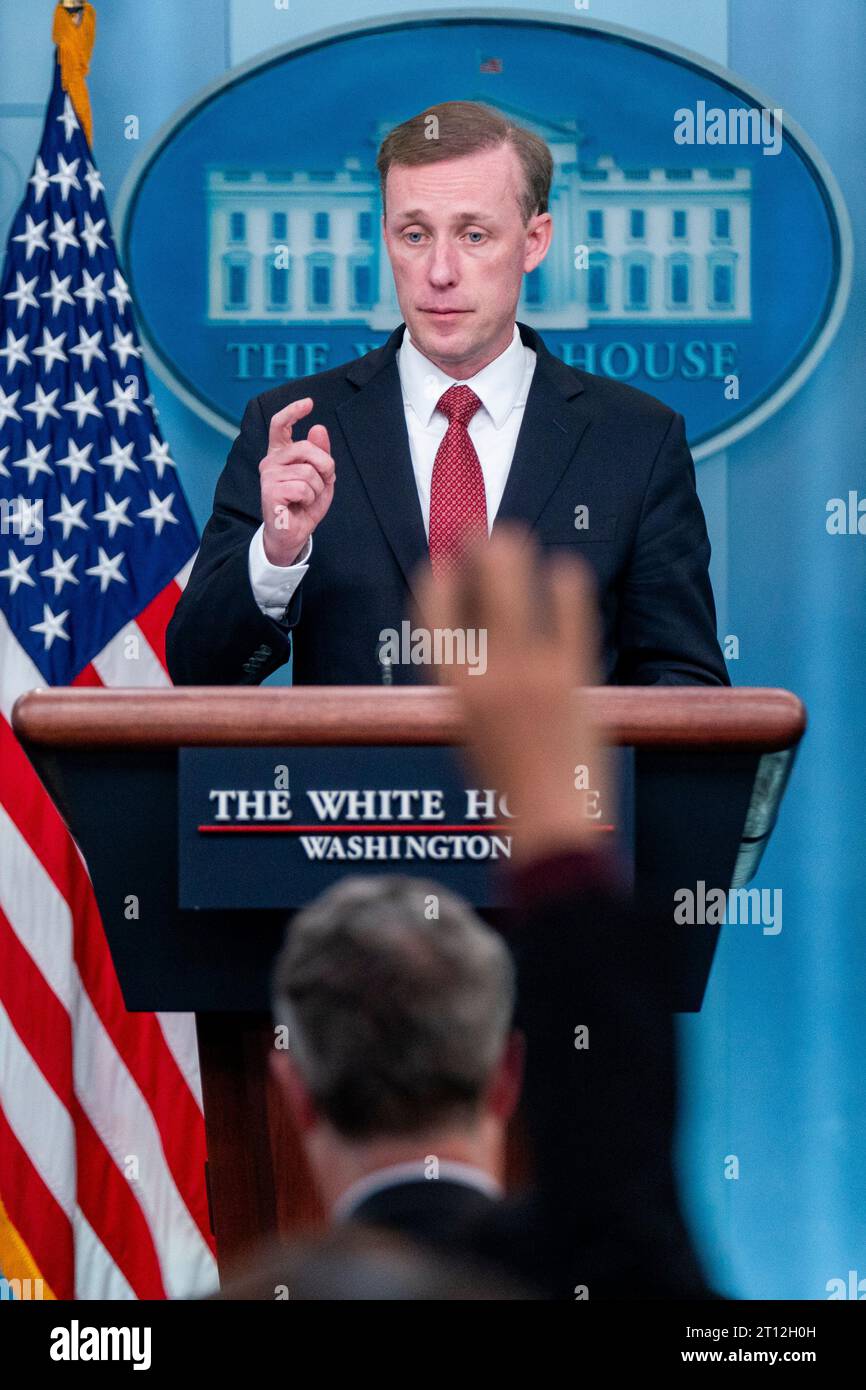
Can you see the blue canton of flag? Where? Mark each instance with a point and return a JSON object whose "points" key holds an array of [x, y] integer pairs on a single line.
{"points": [[93, 521]]}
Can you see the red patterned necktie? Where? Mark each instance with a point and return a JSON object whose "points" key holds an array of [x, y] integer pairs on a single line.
{"points": [[458, 505]]}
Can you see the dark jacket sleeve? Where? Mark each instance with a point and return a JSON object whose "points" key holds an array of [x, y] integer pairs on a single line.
{"points": [[667, 627], [218, 635], [594, 993]]}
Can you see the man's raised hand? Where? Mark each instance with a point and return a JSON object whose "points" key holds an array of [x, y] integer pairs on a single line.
{"points": [[527, 724], [297, 482]]}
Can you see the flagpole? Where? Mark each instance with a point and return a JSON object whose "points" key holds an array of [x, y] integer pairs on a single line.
{"points": [[74, 32]]}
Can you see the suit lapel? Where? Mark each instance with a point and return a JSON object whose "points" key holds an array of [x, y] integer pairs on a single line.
{"points": [[553, 424], [374, 424]]}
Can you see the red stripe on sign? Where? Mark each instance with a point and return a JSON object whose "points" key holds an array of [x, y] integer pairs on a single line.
{"points": [[324, 828]]}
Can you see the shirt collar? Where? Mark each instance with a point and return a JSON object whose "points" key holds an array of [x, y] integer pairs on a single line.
{"points": [[499, 386], [448, 1170]]}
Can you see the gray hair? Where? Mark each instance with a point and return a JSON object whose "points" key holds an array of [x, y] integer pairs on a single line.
{"points": [[396, 1016]]}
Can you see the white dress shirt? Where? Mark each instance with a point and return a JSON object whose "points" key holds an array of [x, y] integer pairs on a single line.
{"points": [[502, 387]]}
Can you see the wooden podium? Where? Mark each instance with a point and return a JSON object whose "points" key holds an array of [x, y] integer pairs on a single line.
{"points": [[710, 768]]}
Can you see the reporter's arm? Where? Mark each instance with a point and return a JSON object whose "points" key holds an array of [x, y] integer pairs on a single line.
{"points": [[594, 978], [594, 974]]}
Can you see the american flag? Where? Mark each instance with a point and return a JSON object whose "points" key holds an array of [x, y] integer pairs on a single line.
{"points": [[491, 65], [102, 1151]]}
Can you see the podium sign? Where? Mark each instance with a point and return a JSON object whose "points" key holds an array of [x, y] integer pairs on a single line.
{"points": [[273, 827]]}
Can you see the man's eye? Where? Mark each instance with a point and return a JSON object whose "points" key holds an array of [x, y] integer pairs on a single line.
{"points": [[411, 234], [478, 234]]}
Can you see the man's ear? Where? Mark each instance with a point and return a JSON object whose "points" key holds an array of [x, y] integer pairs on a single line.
{"points": [[293, 1091], [539, 237], [507, 1081]]}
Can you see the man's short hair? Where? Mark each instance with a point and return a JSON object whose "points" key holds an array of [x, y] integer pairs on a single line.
{"points": [[396, 1017], [455, 128]]}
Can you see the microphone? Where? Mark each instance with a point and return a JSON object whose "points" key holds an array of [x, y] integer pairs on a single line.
{"points": [[386, 673]]}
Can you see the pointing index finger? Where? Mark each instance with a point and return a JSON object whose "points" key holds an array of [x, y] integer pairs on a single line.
{"points": [[280, 428]]}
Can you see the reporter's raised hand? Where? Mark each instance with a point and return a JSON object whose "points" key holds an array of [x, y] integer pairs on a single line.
{"points": [[527, 724], [297, 482]]}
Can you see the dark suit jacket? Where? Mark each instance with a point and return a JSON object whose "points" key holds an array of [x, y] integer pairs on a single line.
{"points": [[604, 1212], [584, 441], [437, 1212]]}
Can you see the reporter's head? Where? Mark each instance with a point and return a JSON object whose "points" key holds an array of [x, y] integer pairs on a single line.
{"points": [[397, 1000]]}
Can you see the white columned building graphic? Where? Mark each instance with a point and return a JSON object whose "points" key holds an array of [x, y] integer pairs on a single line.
{"points": [[631, 244]]}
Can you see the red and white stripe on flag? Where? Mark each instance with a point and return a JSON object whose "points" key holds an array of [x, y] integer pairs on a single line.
{"points": [[85, 1086]]}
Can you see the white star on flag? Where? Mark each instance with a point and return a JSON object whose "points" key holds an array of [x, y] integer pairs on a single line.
{"points": [[124, 346], [60, 571], [14, 351], [123, 401], [159, 511], [66, 175], [34, 461], [63, 235], [120, 294], [93, 181], [22, 295], [33, 236], [17, 572], [77, 460], [90, 236], [51, 350], [83, 405], [69, 516], [68, 119], [91, 290], [59, 292], [51, 626], [107, 569], [43, 405], [159, 456], [7, 406], [114, 514], [39, 178], [88, 347], [120, 459]]}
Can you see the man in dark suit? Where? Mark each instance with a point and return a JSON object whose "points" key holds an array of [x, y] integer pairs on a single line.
{"points": [[403, 1070], [461, 421]]}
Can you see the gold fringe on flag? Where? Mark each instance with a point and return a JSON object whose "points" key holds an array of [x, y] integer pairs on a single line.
{"points": [[74, 39], [16, 1262]]}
